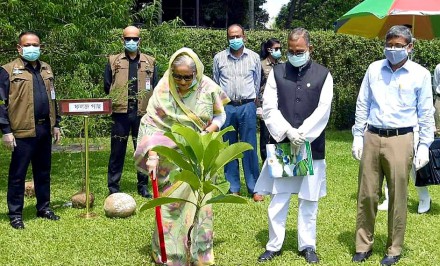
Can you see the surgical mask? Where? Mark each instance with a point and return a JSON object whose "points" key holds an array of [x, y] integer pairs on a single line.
{"points": [[31, 53], [276, 54], [236, 44], [193, 83], [131, 46], [395, 55], [298, 60]]}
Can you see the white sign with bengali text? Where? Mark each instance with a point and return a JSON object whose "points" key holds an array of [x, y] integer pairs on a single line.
{"points": [[79, 107]]}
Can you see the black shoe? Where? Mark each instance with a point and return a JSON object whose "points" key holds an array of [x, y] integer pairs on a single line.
{"points": [[361, 256], [48, 214], [17, 223], [310, 255], [389, 260], [144, 193], [268, 255]]}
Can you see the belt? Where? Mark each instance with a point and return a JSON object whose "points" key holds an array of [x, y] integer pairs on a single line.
{"points": [[241, 102], [42, 121], [390, 132]]}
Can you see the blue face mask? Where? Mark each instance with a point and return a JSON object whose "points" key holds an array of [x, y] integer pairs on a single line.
{"points": [[31, 53], [395, 55], [131, 46], [276, 54], [298, 60], [236, 44]]}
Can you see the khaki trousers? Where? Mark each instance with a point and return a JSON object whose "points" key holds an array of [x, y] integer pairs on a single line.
{"points": [[390, 157]]}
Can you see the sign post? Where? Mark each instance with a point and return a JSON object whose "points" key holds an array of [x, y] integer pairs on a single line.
{"points": [[86, 107]]}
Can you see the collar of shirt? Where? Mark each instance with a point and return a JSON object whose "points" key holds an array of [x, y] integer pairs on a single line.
{"points": [[29, 66], [406, 66], [128, 57], [229, 54]]}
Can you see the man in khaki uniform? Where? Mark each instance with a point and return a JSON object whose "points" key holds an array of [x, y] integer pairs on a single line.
{"points": [[28, 118], [129, 78]]}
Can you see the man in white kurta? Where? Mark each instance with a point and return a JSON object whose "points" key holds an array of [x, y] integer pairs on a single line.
{"points": [[301, 74]]}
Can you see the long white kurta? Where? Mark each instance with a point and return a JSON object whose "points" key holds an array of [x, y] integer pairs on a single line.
{"points": [[309, 187]]}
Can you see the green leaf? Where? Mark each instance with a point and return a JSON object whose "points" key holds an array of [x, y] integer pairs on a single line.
{"points": [[173, 156], [211, 153], [230, 198], [208, 186], [161, 201], [192, 138], [228, 154], [190, 178]]}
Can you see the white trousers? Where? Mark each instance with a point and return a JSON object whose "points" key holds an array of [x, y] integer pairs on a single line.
{"points": [[277, 212]]}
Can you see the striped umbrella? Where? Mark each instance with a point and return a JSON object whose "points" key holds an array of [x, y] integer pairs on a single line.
{"points": [[373, 18]]}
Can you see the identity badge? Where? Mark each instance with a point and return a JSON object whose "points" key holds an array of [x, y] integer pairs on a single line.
{"points": [[52, 90], [148, 84]]}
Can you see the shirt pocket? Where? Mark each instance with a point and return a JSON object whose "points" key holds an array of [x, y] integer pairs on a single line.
{"points": [[407, 96]]}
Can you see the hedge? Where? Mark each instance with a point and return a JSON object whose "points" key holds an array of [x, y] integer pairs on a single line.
{"points": [[79, 72]]}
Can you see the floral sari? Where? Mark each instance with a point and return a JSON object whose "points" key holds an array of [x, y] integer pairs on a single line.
{"points": [[205, 100]]}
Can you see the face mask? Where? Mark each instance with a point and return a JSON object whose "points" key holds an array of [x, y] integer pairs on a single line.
{"points": [[395, 55], [193, 83], [31, 53], [131, 46], [276, 54], [298, 60], [236, 44]]}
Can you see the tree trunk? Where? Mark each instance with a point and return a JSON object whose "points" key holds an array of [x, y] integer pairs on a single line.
{"points": [[290, 15]]}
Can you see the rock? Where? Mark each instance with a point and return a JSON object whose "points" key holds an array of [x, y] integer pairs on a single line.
{"points": [[29, 189], [79, 200], [119, 205]]}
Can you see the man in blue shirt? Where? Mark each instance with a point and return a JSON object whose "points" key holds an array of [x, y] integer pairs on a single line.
{"points": [[395, 96], [238, 72]]}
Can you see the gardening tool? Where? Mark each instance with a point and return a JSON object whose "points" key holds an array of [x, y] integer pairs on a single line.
{"points": [[158, 218]]}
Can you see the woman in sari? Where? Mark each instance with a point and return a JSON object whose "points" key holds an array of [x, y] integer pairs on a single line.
{"points": [[184, 96]]}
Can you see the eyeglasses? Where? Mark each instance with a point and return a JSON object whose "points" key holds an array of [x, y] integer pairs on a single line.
{"points": [[184, 77], [127, 39], [297, 53], [397, 45]]}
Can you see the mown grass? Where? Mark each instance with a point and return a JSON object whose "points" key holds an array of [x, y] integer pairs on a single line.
{"points": [[240, 230]]}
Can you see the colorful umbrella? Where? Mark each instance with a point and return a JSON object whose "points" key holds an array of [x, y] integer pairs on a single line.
{"points": [[373, 18]]}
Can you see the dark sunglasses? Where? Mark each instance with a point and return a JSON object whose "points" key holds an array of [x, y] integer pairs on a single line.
{"points": [[127, 39], [184, 77], [276, 48]]}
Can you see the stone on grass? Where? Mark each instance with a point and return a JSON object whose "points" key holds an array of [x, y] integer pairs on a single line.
{"points": [[29, 189], [79, 200], [119, 205]]}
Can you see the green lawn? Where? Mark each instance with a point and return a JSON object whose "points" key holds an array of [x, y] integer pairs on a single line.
{"points": [[240, 230]]}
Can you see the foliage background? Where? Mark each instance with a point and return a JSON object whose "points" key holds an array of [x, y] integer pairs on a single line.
{"points": [[79, 35]]}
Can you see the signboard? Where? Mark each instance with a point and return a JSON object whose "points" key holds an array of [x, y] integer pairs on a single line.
{"points": [[85, 106]]}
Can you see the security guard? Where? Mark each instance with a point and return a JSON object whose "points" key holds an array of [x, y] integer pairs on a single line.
{"points": [[129, 78], [28, 119]]}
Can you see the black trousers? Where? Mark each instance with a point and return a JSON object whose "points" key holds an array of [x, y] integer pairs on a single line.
{"points": [[122, 125], [36, 150], [264, 139]]}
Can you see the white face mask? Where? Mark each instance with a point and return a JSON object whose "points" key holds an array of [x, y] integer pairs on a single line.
{"points": [[298, 60]]}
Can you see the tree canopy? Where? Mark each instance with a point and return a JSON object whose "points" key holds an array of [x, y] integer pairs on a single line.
{"points": [[313, 14]]}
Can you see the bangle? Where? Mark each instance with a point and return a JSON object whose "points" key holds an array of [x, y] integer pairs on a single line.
{"points": [[156, 157]]}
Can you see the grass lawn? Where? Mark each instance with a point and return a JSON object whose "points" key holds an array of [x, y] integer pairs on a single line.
{"points": [[240, 230]]}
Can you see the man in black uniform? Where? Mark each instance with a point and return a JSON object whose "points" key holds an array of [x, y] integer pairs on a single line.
{"points": [[28, 118], [129, 78]]}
